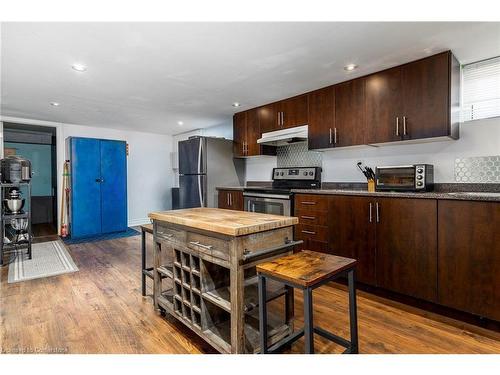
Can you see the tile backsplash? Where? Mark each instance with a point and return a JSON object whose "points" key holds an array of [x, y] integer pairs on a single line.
{"points": [[297, 155], [479, 169]]}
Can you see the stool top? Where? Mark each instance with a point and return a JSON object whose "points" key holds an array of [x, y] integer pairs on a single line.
{"points": [[147, 228], [306, 268]]}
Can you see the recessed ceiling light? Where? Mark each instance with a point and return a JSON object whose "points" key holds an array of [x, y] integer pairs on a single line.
{"points": [[180, 123], [236, 104], [54, 104], [350, 67], [79, 67]]}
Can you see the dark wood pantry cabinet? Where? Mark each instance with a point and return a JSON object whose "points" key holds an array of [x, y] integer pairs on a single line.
{"points": [[469, 256]]}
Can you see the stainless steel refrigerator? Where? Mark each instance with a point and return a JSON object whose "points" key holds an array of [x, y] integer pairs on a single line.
{"points": [[204, 164]]}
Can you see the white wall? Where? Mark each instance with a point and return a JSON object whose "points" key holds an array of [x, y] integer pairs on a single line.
{"points": [[477, 138], [150, 176]]}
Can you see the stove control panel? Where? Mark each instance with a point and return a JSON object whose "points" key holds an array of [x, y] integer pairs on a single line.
{"points": [[299, 173]]}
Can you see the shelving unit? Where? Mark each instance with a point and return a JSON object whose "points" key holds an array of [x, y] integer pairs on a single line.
{"points": [[5, 220], [195, 288]]}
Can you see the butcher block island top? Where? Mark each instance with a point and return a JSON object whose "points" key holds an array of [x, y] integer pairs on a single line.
{"points": [[228, 222], [205, 275]]}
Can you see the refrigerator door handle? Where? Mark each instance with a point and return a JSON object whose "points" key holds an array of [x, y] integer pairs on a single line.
{"points": [[200, 151], [200, 192]]}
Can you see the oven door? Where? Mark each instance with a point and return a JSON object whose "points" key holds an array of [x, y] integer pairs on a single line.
{"points": [[266, 204], [397, 178]]}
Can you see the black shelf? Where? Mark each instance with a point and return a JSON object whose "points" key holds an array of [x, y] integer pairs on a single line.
{"points": [[5, 220]]}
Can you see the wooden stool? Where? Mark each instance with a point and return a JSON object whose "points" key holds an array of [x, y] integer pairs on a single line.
{"points": [[307, 270], [146, 271]]}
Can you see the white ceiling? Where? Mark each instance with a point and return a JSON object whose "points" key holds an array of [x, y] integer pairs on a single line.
{"points": [[148, 76]]}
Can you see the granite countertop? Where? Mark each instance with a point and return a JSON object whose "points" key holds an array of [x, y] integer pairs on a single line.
{"points": [[468, 196], [239, 188], [228, 222]]}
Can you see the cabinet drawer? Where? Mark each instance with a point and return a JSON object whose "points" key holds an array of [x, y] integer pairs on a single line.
{"points": [[310, 217], [208, 245], [311, 232], [311, 202], [163, 232]]}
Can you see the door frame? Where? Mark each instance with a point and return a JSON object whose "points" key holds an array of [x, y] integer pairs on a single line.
{"points": [[60, 151]]}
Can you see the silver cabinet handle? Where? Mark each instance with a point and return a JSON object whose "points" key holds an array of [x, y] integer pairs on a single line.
{"points": [[308, 203], [167, 235], [282, 119], [230, 199], [331, 136], [308, 217], [377, 212], [397, 126], [371, 206], [335, 135], [197, 243], [308, 232], [404, 125]]}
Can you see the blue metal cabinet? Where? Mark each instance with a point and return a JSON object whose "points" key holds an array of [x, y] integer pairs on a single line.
{"points": [[98, 202]]}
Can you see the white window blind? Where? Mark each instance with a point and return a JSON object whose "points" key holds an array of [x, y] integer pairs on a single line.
{"points": [[481, 90]]}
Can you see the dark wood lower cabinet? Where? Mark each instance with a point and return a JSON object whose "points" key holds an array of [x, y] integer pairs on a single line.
{"points": [[230, 199], [353, 233], [441, 251], [469, 257], [407, 246]]}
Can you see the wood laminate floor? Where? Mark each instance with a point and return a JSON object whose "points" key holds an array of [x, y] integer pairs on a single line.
{"points": [[100, 310]]}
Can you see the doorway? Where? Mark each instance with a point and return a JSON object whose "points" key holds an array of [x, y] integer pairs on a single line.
{"points": [[37, 144]]}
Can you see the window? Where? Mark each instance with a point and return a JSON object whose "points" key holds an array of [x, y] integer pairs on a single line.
{"points": [[481, 90]]}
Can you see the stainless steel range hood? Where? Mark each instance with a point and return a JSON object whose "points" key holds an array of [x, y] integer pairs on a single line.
{"points": [[284, 137]]}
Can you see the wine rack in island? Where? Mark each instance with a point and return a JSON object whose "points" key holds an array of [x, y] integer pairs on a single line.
{"points": [[209, 283]]}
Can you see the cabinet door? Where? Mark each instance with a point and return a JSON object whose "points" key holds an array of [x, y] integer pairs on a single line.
{"points": [[384, 122], [353, 233], [321, 118], [239, 133], [407, 246], [469, 256], [253, 133], [85, 187], [223, 199], [350, 113], [294, 111], [236, 200], [426, 95], [113, 186], [268, 118]]}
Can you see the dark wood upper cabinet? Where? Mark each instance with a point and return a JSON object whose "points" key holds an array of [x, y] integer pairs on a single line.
{"points": [[469, 256], [407, 246], [353, 235], [252, 133], [383, 106], [426, 86], [321, 118], [268, 117], [239, 133], [293, 111], [349, 127]]}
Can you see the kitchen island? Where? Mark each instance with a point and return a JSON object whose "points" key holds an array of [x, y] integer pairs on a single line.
{"points": [[204, 273]]}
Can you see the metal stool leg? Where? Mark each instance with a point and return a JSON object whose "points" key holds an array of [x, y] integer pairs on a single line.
{"points": [[308, 321], [262, 314], [353, 313], [143, 255]]}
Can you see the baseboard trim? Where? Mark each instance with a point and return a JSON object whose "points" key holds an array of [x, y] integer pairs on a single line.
{"points": [[141, 221]]}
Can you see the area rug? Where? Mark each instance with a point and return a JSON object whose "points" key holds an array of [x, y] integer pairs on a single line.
{"points": [[102, 237], [49, 259]]}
